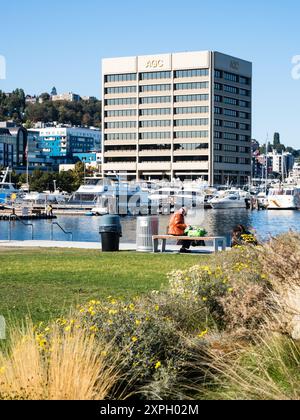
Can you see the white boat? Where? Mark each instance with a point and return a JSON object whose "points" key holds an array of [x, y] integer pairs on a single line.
{"points": [[45, 197], [164, 196], [230, 199], [189, 197], [294, 176], [284, 198], [262, 200], [110, 195]]}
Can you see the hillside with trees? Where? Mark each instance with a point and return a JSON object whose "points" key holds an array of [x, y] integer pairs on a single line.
{"points": [[279, 147], [84, 113]]}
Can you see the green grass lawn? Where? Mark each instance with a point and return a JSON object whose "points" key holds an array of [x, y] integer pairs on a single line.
{"points": [[46, 282]]}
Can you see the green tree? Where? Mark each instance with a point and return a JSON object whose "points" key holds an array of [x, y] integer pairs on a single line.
{"points": [[276, 141], [45, 97], [65, 181]]}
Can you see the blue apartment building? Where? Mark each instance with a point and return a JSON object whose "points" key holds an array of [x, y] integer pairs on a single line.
{"points": [[61, 145]]}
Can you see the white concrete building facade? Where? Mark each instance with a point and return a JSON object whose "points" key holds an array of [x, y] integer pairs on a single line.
{"points": [[183, 115]]}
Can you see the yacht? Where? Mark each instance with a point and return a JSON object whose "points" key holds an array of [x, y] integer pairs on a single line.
{"points": [[230, 199], [111, 195], [55, 197], [294, 176], [284, 198]]}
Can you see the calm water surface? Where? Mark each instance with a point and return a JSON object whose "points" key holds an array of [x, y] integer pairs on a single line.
{"points": [[216, 222]]}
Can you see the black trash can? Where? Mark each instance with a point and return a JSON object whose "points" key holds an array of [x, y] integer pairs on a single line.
{"points": [[110, 231]]}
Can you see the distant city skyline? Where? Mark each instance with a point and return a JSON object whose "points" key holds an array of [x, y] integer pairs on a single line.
{"points": [[61, 44]]}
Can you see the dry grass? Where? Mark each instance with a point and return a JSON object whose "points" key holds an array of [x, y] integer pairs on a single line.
{"points": [[267, 367], [70, 366], [267, 370]]}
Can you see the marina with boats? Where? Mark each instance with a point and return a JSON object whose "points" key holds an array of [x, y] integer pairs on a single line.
{"points": [[98, 196]]}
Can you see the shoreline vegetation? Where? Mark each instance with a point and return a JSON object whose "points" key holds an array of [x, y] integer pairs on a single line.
{"points": [[223, 327]]}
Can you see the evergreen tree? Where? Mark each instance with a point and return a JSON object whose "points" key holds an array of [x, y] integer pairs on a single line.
{"points": [[276, 142]]}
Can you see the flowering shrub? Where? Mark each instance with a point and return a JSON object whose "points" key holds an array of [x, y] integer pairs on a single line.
{"points": [[233, 289], [149, 336]]}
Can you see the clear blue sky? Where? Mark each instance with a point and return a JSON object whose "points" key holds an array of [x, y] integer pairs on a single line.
{"points": [[61, 42]]}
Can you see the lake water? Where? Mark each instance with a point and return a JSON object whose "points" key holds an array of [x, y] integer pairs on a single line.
{"points": [[216, 222]]}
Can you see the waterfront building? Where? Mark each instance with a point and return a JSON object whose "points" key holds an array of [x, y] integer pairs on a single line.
{"points": [[65, 141], [52, 146], [282, 163], [182, 115], [13, 141]]}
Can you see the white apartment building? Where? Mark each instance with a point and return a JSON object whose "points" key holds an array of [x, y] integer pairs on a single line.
{"points": [[68, 97], [182, 115], [282, 163]]}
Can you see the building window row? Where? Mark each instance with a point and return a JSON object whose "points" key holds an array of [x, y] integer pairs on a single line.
{"points": [[120, 149], [149, 147], [232, 101], [232, 124], [121, 101], [121, 124], [156, 75], [120, 89], [232, 160], [156, 135], [195, 121], [191, 146], [155, 100], [154, 123], [155, 111], [121, 113], [231, 136], [192, 110], [120, 78], [192, 86], [120, 136], [231, 148], [181, 74], [191, 98], [191, 158], [155, 88], [190, 134], [232, 113], [232, 77]]}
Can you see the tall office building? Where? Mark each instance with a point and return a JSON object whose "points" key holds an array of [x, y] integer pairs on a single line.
{"points": [[183, 115]]}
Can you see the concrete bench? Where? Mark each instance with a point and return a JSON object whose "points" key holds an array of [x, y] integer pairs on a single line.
{"points": [[218, 241]]}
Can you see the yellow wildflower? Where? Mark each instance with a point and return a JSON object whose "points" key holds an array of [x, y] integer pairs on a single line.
{"points": [[158, 365], [204, 299], [203, 333], [156, 308], [134, 339], [94, 328], [132, 307], [138, 322], [113, 312]]}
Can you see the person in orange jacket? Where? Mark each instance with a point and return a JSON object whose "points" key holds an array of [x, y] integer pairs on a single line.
{"points": [[177, 227]]}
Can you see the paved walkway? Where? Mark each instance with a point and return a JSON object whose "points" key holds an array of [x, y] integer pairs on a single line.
{"points": [[88, 245]]}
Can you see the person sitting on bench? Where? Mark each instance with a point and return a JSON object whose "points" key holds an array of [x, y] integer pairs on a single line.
{"points": [[177, 227]]}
